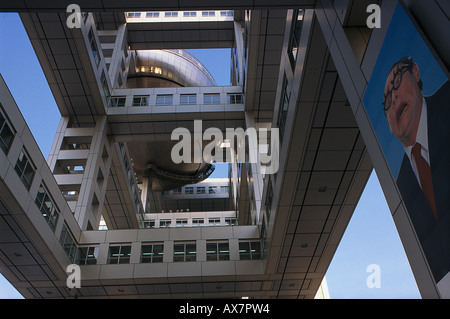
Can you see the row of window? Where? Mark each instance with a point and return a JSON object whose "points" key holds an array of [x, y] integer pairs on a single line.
{"points": [[189, 190], [174, 14], [167, 99], [25, 169], [154, 252], [183, 222], [182, 252]]}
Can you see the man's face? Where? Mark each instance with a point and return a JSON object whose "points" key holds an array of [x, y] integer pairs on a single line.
{"points": [[406, 105]]}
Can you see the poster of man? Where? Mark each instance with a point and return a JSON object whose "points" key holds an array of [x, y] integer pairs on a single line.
{"points": [[408, 103]]}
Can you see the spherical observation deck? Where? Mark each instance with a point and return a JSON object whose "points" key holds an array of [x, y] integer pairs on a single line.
{"points": [[167, 68]]}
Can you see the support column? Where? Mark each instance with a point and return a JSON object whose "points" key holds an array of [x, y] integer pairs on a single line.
{"points": [[80, 160]]}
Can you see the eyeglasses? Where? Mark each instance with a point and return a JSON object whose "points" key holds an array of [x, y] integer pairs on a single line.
{"points": [[398, 76]]}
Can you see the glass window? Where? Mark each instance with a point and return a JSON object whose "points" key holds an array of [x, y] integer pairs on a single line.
{"points": [[214, 221], [212, 189], [235, 98], [226, 13], [211, 98], [164, 99], [184, 252], [119, 254], [87, 255], [117, 101], [297, 23], [105, 86], [165, 223], [171, 14], [24, 169], [201, 190], [198, 222], [250, 250], [189, 190], [134, 15], [189, 14], [224, 189], [94, 48], [188, 99], [284, 104], [140, 100], [230, 221], [181, 222], [47, 207], [6, 134], [152, 253], [149, 223], [152, 15], [208, 13], [217, 251], [67, 242]]}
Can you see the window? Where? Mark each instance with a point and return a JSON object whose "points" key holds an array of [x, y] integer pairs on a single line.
{"points": [[250, 250], [230, 221], [189, 190], [284, 104], [181, 222], [165, 223], [217, 251], [105, 86], [152, 253], [94, 48], [235, 98], [208, 13], [214, 221], [212, 189], [133, 15], [47, 206], [119, 254], [198, 222], [152, 15], [211, 98], [6, 134], [297, 22], [149, 223], [140, 100], [226, 13], [24, 169], [184, 252], [188, 99], [164, 99], [87, 255], [188, 14], [269, 198], [172, 14], [224, 189], [201, 190], [117, 101], [68, 242]]}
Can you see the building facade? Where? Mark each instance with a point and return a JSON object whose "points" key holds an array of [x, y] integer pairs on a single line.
{"points": [[126, 193]]}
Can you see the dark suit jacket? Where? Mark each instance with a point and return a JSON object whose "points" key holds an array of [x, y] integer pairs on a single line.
{"points": [[434, 236]]}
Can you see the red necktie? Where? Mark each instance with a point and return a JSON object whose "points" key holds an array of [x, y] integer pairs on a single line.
{"points": [[425, 178]]}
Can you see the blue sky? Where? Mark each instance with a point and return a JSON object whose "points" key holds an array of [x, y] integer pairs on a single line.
{"points": [[371, 237]]}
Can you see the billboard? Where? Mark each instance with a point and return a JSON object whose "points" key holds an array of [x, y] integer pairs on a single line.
{"points": [[408, 104]]}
